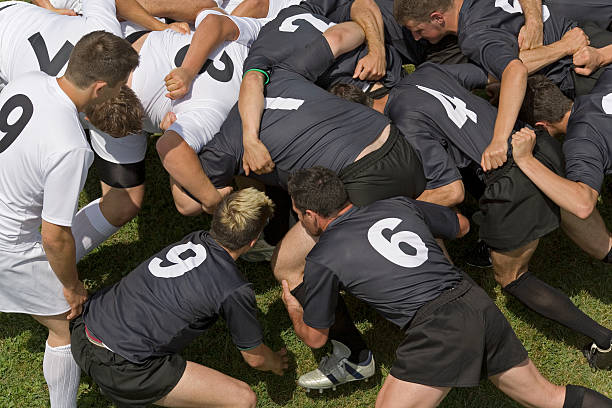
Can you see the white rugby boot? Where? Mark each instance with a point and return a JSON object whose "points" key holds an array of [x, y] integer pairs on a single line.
{"points": [[335, 369]]}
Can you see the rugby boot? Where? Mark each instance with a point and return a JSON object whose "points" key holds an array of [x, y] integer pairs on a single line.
{"points": [[261, 252], [335, 369], [598, 358]]}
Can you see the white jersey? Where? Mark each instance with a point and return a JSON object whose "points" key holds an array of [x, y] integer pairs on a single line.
{"points": [[214, 91], [36, 39], [274, 6], [44, 158]]}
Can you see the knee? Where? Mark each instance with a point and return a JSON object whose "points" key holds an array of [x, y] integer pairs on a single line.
{"points": [[188, 208], [248, 399]]}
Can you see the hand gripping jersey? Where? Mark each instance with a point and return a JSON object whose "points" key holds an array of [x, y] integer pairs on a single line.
{"points": [[44, 159], [386, 255], [488, 35], [173, 297], [35, 39], [588, 142], [214, 91], [447, 125]]}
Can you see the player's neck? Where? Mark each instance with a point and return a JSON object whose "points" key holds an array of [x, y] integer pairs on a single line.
{"points": [[79, 97], [452, 17], [329, 220]]}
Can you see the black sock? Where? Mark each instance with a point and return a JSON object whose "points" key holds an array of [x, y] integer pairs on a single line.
{"points": [[608, 257], [555, 305], [577, 396], [343, 330]]}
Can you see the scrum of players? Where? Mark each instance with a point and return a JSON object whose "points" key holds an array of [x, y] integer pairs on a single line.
{"points": [[309, 99]]}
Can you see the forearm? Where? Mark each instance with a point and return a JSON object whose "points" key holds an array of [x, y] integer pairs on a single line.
{"points": [[532, 10], [59, 247], [367, 14], [606, 54], [209, 35], [449, 195], [314, 338], [132, 10], [182, 163], [251, 104], [44, 4], [511, 95], [569, 195], [540, 57]]}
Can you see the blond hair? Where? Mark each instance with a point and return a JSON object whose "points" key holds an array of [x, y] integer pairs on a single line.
{"points": [[240, 218]]}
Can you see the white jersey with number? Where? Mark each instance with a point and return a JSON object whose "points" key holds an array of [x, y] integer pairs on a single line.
{"points": [[202, 111], [44, 158], [36, 39]]}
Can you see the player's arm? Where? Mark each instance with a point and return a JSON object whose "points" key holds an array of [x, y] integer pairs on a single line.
{"points": [[540, 57], [574, 197], [512, 92], [264, 359], [183, 165], [132, 10], [449, 195], [312, 337], [59, 247], [532, 33], [589, 59], [209, 35], [367, 14], [46, 4]]}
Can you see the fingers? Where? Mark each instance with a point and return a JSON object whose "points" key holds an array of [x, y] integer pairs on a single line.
{"points": [[286, 292], [583, 71]]}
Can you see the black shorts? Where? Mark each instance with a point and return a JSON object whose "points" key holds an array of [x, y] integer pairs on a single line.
{"points": [[456, 340], [513, 210], [127, 384], [392, 170]]}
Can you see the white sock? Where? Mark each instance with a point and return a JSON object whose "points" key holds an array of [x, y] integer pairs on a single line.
{"points": [[90, 229], [62, 375]]}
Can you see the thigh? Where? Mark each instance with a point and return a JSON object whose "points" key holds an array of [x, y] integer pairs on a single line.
{"points": [[202, 386], [119, 205], [59, 334], [396, 393], [289, 257]]}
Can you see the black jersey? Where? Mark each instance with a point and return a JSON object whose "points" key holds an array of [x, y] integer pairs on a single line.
{"points": [[400, 38], [488, 35], [173, 297], [302, 126], [588, 142], [384, 254], [597, 11], [448, 126]]}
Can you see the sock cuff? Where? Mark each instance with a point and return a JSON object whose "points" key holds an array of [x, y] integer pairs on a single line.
{"points": [[516, 283], [574, 394], [94, 214], [59, 349]]}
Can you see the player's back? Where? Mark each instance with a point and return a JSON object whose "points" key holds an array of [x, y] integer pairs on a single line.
{"points": [[39, 128], [36, 39]]}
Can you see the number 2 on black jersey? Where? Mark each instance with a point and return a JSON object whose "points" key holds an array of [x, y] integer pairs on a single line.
{"points": [[221, 75], [16, 127]]}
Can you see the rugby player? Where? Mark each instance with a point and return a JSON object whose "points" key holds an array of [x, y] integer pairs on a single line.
{"points": [[386, 255], [586, 125], [488, 34], [43, 167]]}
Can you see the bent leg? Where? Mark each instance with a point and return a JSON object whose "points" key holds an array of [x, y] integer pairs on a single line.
{"points": [[591, 234], [61, 372], [183, 202], [289, 258], [186, 10], [252, 8], [524, 384], [204, 387], [396, 393]]}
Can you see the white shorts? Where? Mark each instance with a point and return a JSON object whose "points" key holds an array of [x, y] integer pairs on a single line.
{"points": [[29, 285], [123, 150]]}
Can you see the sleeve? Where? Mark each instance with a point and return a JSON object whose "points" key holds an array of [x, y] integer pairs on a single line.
{"points": [[65, 177], [442, 221], [321, 295], [239, 309], [492, 48], [470, 76], [102, 15], [248, 27], [439, 167], [338, 11], [197, 126], [585, 158]]}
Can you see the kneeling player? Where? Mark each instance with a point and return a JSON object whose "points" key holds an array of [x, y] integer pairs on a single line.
{"points": [[182, 290], [386, 255]]}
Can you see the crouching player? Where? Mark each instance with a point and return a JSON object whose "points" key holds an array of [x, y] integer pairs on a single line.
{"points": [[181, 291], [386, 255]]}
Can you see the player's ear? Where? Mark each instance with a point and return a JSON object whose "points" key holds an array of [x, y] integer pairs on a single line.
{"points": [[99, 87], [546, 125], [437, 18]]}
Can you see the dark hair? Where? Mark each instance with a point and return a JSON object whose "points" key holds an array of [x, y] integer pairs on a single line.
{"points": [[119, 116], [543, 101], [101, 56], [317, 189], [418, 10], [351, 93], [240, 218]]}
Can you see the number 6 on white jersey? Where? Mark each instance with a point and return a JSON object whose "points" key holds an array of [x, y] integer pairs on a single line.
{"points": [[391, 250], [180, 266]]}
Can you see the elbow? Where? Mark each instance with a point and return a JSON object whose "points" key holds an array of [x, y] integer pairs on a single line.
{"points": [[456, 194], [584, 209], [516, 68]]}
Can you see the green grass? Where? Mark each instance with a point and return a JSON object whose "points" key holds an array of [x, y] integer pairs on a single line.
{"points": [[554, 349]]}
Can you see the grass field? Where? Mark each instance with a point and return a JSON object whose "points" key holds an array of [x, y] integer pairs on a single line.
{"points": [[554, 349]]}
